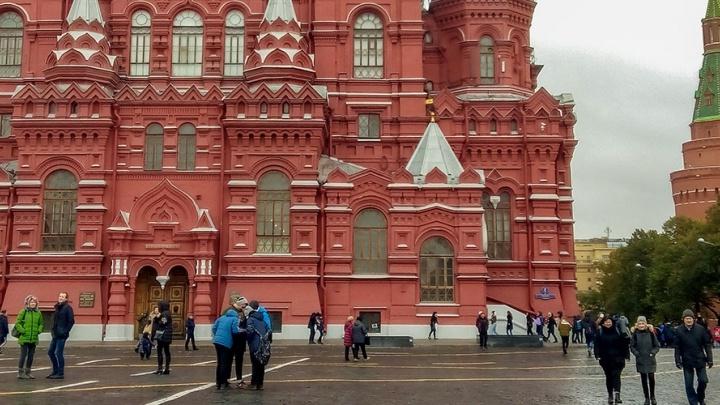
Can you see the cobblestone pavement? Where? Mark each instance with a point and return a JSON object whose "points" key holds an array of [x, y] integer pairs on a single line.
{"points": [[433, 372]]}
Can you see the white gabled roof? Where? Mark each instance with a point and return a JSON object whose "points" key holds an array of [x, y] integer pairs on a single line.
{"points": [[433, 151], [282, 9]]}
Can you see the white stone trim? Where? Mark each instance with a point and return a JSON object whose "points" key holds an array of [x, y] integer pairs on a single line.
{"points": [[92, 182], [548, 197], [339, 185], [241, 183], [90, 207], [28, 183], [436, 205], [304, 183]]}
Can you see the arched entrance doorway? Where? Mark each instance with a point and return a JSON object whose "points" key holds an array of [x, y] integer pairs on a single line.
{"points": [[148, 292]]}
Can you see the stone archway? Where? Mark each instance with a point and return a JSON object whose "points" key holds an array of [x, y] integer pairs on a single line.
{"points": [[148, 292]]}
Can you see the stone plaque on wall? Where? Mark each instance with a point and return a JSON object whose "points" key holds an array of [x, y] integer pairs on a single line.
{"points": [[87, 299]]}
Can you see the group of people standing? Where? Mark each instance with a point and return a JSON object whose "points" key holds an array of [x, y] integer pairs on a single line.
{"points": [[356, 336], [243, 325], [28, 327], [316, 322], [613, 343]]}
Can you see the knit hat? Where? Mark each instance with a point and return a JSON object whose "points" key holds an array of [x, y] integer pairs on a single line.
{"points": [[641, 319], [30, 298], [689, 313], [240, 300]]}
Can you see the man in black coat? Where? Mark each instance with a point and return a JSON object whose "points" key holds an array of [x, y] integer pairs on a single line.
{"points": [[63, 321], [190, 332], [693, 351], [3, 329]]}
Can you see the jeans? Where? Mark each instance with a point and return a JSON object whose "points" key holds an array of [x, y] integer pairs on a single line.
{"points": [[565, 343], [493, 329], [539, 330], [694, 398], [224, 365], [163, 348], [312, 335], [27, 353], [238, 350], [551, 332], [258, 371], [433, 332], [56, 351], [483, 339], [188, 338], [508, 329]]}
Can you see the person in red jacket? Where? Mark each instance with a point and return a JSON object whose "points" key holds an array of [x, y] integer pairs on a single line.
{"points": [[347, 336], [716, 335]]}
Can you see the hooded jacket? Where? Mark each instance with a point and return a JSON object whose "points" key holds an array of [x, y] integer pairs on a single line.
{"points": [[224, 328], [29, 323], [358, 333], [255, 329]]}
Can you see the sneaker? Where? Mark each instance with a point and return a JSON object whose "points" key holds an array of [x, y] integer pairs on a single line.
{"points": [[57, 377], [356, 359], [166, 371]]}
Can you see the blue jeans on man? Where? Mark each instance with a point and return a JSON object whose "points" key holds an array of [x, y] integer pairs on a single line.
{"points": [[695, 397], [55, 351]]}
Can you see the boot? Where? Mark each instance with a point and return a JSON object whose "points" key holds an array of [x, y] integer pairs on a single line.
{"points": [[617, 398], [21, 374], [610, 399], [653, 401], [647, 401], [28, 375]]}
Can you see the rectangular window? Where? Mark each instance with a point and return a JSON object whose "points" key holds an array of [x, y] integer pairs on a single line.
{"points": [[10, 51], [369, 126], [234, 51], [369, 54], [140, 51], [186, 152], [276, 320], [273, 222], [436, 279], [370, 251], [372, 321], [187, 51], [153, 152], [5, 128], [487, 68], [59, 225]]}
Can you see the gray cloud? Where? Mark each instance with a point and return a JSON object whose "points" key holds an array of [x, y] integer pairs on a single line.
{"points": [[632, 121]]}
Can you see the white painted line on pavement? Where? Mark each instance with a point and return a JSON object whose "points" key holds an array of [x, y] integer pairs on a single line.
{"points": [[52, 389], [96, 361], [206, 386], [202, 363], [35, 369], [143, 373]]}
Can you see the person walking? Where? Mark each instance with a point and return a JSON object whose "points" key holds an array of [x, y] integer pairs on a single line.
{"points": [[529, 321], [359, 335], [577, 329], [162, 334], [347, 336], [63, 321], [190, 332], [539, 323], [433, 325], [312, 324], [611, 349], [481, 323], [493, 323], [509, 323], [223, 330], [693, 352], [715, 333], [257, 332], [4, 330], [29, 324], [564, 329], [644, 345], [320, 327], [552, 324], [590, 330]]}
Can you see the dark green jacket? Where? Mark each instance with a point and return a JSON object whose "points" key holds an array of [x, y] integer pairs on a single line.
{"points": [[30, 324]]}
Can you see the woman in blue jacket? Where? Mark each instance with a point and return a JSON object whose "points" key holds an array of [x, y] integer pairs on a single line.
{"points": [[223, 330]]}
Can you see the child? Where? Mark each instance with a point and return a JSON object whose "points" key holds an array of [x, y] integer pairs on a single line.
{"points": [[144, 346]]}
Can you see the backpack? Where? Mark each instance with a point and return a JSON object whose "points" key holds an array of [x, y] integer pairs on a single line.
{"points": [[263, 352]]}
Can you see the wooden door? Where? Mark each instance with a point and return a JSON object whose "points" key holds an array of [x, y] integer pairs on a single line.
{"points": [[148, 293]]}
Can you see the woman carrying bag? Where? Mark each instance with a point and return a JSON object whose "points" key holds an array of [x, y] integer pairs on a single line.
{"points": [[612, 349], [644, 346], [28, 326]]}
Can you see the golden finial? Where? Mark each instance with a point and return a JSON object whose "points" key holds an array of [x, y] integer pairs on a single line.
{"points": [[432, 117]]}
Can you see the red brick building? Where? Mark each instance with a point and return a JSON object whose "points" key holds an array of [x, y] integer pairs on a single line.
{"points": [[283, 150]]}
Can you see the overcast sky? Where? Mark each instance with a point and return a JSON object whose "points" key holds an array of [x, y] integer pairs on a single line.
{"points": [[632, 66]]}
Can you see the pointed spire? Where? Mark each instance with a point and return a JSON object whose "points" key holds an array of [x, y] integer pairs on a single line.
{"points": [[88, 10], [433, 151], [713, 9], [282, 9]]}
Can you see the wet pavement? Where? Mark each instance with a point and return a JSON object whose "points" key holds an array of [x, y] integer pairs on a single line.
{"points": [[438, 372]]}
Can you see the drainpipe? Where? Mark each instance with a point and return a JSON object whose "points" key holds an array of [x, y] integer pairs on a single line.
{"points": [[528, 223], [113, 204], [221, 217], [321, 250], [6, 242]]}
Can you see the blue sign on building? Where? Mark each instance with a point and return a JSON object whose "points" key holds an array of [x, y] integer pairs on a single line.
{"points": [[545, 294]]}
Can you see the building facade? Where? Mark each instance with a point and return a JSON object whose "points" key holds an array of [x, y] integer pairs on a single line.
{"points": [[588, 254], [330, 155], [696, 186]]}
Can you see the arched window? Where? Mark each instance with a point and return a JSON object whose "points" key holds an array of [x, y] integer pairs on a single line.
{"points": [[60, 200], [368, 50], [370, 243], [273, 213], [234, 43], [153, 147], [437, 278], [514, 126], [497, 220], [11, 39], [286, 109], [186, 147], [140, 44], [74, 109], [493, 126], [472, 126], [263, 110], [487, 60], [187, 52]]}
